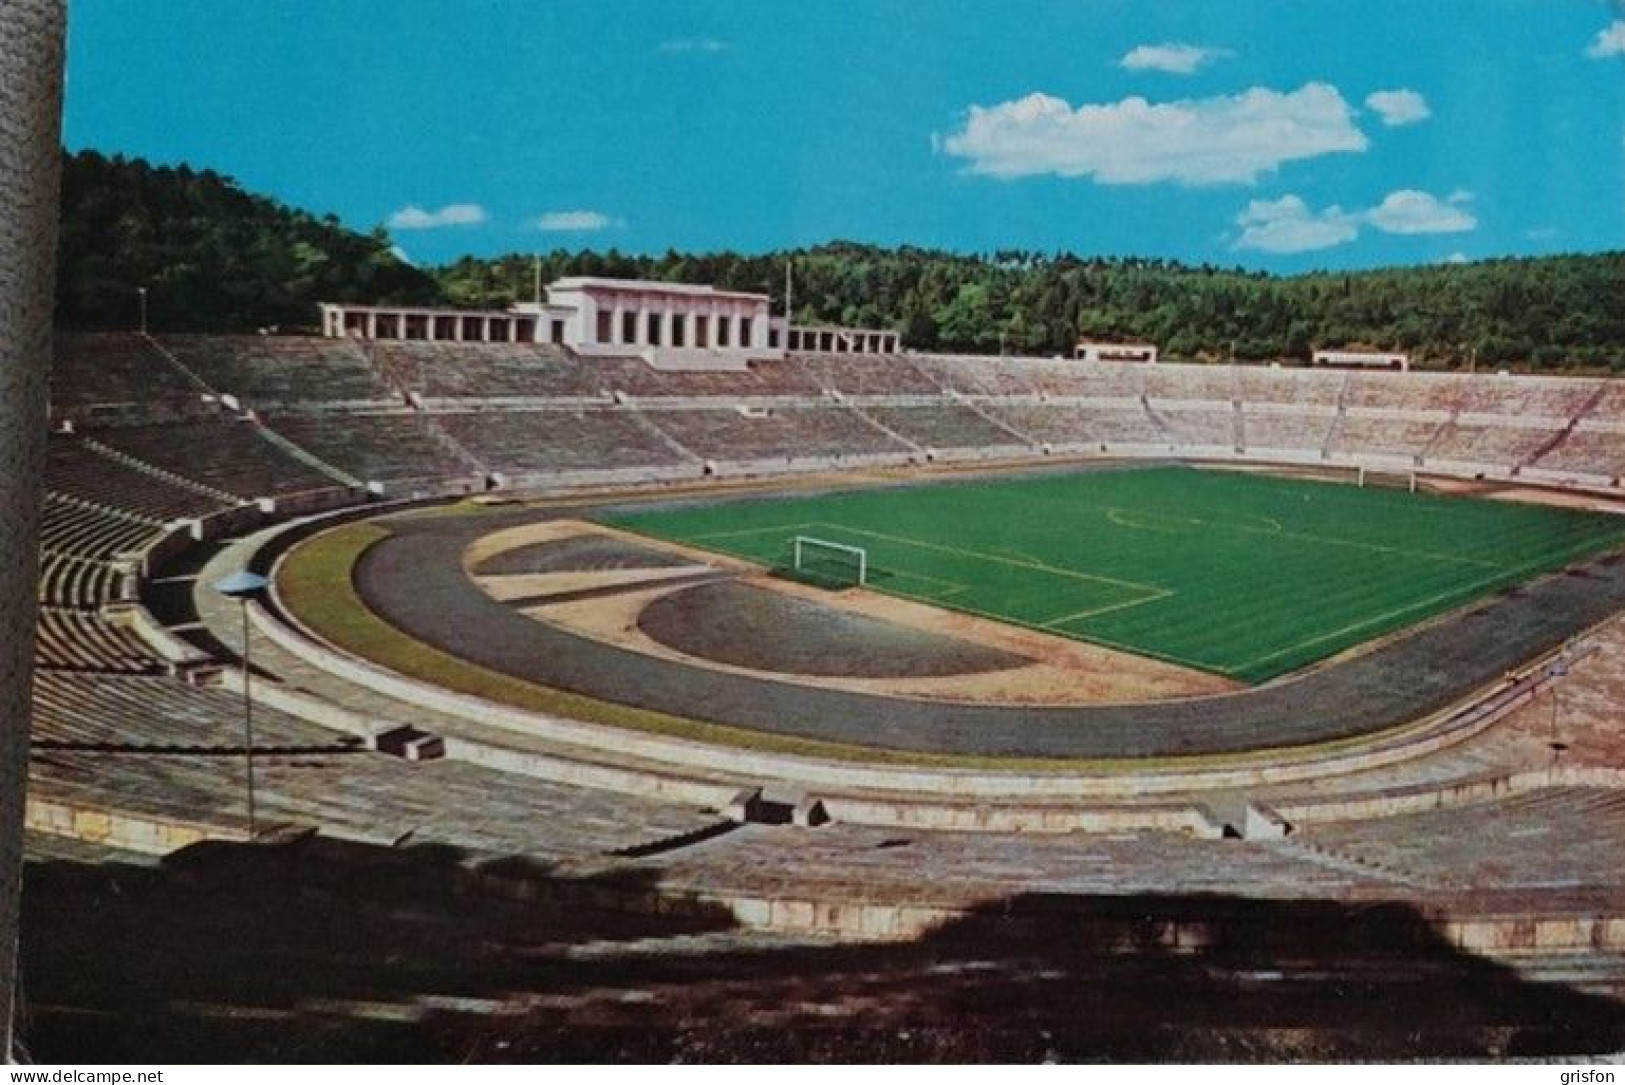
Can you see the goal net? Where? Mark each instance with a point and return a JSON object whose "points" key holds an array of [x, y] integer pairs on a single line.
{"points": [[830, 564]]}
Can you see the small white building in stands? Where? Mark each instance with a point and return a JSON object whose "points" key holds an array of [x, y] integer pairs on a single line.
{"points": [[1090, 351], [671, 325], [1362, 359]]}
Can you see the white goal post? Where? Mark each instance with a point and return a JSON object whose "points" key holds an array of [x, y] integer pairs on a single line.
{"points": [[806, 542]]}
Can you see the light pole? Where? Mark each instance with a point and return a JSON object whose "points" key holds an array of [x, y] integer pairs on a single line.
{"points": [[1558, 669], [141, 292], [243, 586]]}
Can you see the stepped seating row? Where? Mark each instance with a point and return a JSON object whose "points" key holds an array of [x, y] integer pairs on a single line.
{"points": [[366, 796], [80, 583], [152, 710], [975, 376], [1065, 425], [519, 442], [867, 374], [538, 371], [1365, 435], [484, 370], [269, 370], [233, 456], [859, 858], [1290, 387], [1198, 428], [77, 470], [1587, 451], [1206, 383], [70, 528], [1411, 392], [943, 427], [78, 640], [781, 379], [1295, 432], [1542, 838], [375, 447], [1610, 406], [92, 369], [1501, 446], [1527, 397], [780, 434]]}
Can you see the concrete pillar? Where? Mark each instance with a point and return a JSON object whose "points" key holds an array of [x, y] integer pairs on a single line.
{"points": [[667, 325], [31, 33]]}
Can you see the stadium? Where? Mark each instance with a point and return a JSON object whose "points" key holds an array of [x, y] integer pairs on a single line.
{"points": [[848, 662]]}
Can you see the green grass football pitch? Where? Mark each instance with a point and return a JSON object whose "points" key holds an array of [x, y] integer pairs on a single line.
{"points": [[1241, 575]]}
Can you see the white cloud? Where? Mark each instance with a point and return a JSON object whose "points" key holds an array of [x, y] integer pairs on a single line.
{"points": [[572, 221], [1231, 139], [693, 45], [1288, 225], [1170, 58], [1609, 42], [413, 217], [1457, 258], [1398, 107], [1409, 211]]}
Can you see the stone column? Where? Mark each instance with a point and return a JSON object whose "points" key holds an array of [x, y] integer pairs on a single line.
{"points": [[31, 34]]}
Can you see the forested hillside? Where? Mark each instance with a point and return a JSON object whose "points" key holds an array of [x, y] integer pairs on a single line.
{"points": [[216, 258], [211, 256], [1548, 313]]}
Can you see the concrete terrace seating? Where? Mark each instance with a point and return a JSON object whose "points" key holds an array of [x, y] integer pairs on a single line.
{"points": [[271, 371], [1199, 428], [975, 376], [226, 455], [1528, 397], [1208, 384], [780, 434], [375, 447], [1295, 387], [79, 583], [364, 796], [1546, 837], [69, 527], [76, 470], [1073, 425], [77, 640], [141, 710], [781, 379], [1610, 406], [1375, 435], [1588, 451], [525, 442], [855, 856], [442, 370], [951, 426], [1411, 391], [114, 369], [1504, 445], [1293, 431], [867, 374]]}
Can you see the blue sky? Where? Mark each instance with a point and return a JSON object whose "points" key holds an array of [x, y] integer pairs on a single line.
{"points": [[1278, 134]]}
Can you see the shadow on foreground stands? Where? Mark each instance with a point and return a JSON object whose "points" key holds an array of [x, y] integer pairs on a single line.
{"points": [[335, 951]]}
